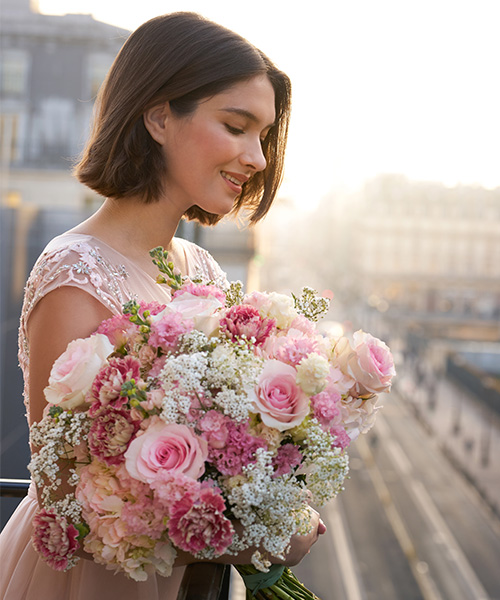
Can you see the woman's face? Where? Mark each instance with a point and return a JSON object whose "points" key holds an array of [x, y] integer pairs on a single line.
{"points": [[210, 153]]}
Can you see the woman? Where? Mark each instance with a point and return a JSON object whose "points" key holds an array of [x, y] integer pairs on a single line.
{"points": [[191, 121]]}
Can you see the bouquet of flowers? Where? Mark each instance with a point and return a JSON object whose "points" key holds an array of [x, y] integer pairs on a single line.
{"points": [[173, 421]]}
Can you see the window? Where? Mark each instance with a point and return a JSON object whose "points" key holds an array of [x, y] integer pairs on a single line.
{"points": [[14, 73]]}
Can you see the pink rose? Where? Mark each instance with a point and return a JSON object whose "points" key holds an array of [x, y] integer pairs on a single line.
{"points": [[342, 439], [369, 363], [168, 447], [196, 525], [73, 372], [278, 399], [245, 320], [54, 538], [110, 435], [203, 311]]}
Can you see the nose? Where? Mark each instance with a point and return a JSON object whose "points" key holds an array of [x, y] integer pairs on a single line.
{"points": [[253, 156]]}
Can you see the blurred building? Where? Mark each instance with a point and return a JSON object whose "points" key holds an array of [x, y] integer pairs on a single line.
{"points": [[50, 70], [428, 255]]}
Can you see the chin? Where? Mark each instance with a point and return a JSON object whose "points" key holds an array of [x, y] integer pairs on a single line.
{"points": [[222, 208]]}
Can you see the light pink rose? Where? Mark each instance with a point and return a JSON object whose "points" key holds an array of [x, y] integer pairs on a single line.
{"points": [[278, 399], [369, 362], [203, 311], [168, 447], [74, 371], [54, 538]]}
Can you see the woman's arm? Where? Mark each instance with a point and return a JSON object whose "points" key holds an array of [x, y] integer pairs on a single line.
{"points": [[64, 314]]}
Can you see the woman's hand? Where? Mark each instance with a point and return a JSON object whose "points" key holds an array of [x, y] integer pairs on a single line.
{"points": [[300, 545]]}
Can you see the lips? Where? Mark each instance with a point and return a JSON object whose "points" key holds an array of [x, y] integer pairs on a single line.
{"points": [[234, 180]]}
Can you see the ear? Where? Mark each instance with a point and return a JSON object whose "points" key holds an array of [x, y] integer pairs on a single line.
{"points": [[155, 121]]}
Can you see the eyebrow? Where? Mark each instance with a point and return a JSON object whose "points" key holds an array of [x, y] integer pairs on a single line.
{"points": [[247, 114]]}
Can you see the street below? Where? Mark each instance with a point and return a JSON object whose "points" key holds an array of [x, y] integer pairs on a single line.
{"points": [[409, 525]]}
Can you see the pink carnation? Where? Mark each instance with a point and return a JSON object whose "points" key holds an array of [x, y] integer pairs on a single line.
{"points": [[288, 457], [245, 320], [295, 349], [171, 487], [144, 517], [158, 365], [204, 291], [110, 435], [304, 325], [107, 386], [342, 439], [238, 451], [120, 331], [154, 307], [213, 427], [54, 538], [326, 406], [166, 331], [196, 525]]}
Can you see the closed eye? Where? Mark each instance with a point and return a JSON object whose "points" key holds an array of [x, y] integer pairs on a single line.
{"points": [[234, 130]]}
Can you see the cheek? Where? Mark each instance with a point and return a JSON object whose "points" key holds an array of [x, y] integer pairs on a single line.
{"points": [[214, 146]]}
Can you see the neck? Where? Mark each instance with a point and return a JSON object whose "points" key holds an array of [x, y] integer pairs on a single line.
{"points": [[129, 224]]}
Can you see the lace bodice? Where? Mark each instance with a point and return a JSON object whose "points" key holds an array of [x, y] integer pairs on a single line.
{"points": [[82, 261]]}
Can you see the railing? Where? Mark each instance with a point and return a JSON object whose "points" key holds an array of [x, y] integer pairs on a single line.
{"points": [[14, 488], [201, 581]]}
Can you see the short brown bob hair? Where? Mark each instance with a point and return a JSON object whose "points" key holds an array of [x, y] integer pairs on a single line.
{"points": [[181, 58]]}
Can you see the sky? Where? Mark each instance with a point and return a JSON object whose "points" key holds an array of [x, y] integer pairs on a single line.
{"points": [[379, 86]]}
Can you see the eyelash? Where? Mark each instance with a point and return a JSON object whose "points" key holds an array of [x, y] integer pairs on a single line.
{"points": [[234, 130]]}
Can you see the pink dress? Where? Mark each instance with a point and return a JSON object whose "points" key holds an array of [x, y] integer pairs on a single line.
{"points": [[87, 263]]}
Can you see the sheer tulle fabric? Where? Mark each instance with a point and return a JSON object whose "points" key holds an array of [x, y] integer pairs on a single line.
{"points": [[85, 262]]}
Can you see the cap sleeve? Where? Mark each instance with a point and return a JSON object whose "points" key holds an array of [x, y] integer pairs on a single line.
{"points": [[77, 265]]}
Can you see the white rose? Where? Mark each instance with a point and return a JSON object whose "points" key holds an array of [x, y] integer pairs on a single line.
{"points": [[74, 371]]}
